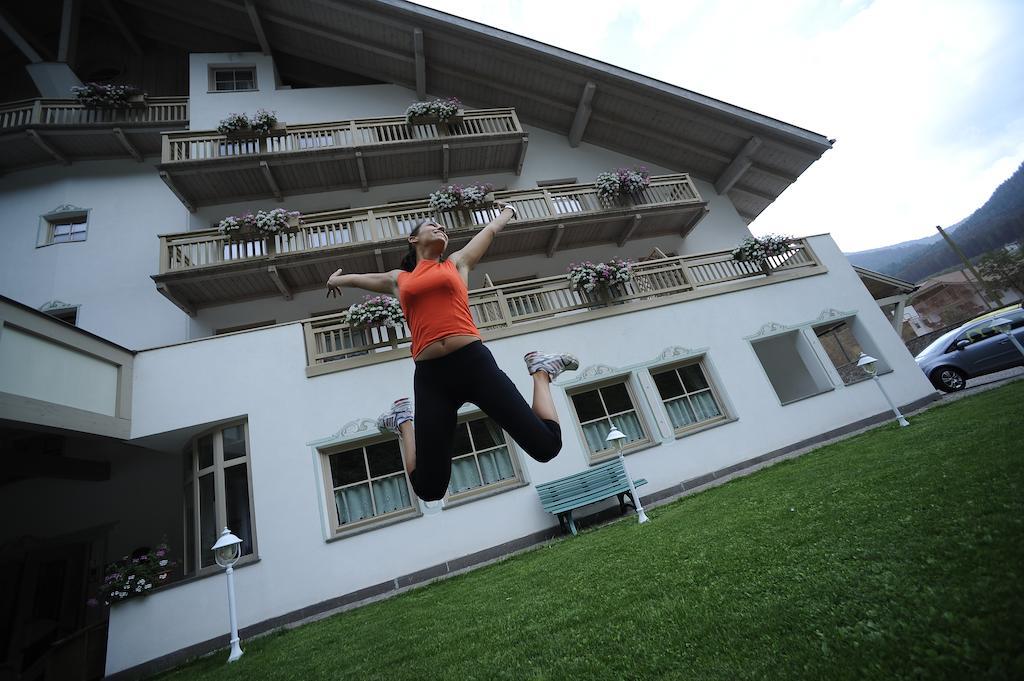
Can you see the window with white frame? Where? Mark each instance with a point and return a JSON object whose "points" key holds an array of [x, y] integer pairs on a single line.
{"points": [[843, 349], [689, 398], [232, 78], [366, 483], [63, 226], [791, 366], [598, 408], [482, 459], [218, 494]]}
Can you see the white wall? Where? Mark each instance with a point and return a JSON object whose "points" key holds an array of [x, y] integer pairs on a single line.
{"points": [[35, 367], [251, 373], [108, 274]]}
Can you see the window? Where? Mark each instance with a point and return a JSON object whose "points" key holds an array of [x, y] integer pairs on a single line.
{"points": [[232, 78], [597, 409], [481, 460], [218, 494], [791, 366], [843, 349], [555, 183], [688, 396], [64, 225], [367, 483]]}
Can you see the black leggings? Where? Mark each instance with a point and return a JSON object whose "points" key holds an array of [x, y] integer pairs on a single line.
{"points": [[441, 386]]}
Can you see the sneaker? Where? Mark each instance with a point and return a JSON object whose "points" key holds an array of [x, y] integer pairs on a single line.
{"points": [[554, 365], [400, 412]]}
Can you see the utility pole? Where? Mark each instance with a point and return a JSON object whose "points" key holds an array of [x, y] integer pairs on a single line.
{"points": [[968, 265]]}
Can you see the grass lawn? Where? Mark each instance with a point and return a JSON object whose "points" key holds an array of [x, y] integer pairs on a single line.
{"points": [[897, 554]]}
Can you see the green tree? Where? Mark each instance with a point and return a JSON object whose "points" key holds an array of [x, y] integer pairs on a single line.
{"points": [[1003, 269]]}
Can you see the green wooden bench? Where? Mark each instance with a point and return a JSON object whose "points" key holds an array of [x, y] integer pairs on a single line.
{"points": [[562, 496]]}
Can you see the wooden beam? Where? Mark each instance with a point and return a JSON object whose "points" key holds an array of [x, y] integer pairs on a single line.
{"points": [[257, 26], [69, 20], [177, 192], [280, 282], [362, 171], [180, 303], [126, 33], [421, 64], [378, 255], [42, 144], [333, 36], [553, 241], [753, 192], [630, 229], [129, 147], [271, 182], [739, 165], [583, 111], [445, 162], [897, 316], [522, 155], [29, 45], [772, 173]]}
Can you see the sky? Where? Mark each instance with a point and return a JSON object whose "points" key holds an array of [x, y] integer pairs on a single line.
{"points": [[925, 98]]}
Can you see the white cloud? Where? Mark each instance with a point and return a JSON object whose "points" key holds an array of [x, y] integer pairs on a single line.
{"points": [[923, 96]]}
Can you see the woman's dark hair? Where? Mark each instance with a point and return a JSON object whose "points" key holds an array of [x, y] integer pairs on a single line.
{"points": [[409, 261]]}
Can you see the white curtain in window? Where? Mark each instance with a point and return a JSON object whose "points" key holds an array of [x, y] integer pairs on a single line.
{"points": [[680, 412], [496, 465], [628, 423], [391, 494], [464, 475], [704, 405], [353, 504]]}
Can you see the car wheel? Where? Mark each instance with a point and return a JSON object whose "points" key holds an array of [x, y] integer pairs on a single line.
{"points": [[949, 379]]}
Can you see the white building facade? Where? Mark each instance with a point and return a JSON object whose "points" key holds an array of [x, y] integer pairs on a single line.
{"points": [[209, 382]]}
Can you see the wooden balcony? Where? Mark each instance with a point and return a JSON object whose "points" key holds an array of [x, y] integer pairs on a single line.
{"points": [[36, 132], [204, 168], [203, 268], [529, 306]]}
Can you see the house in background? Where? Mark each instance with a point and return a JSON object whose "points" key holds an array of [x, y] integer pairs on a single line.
{"points": [[160, 381], [952, 298]]}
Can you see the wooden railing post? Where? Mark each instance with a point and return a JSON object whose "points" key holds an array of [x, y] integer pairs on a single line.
{"points": [[165, 149], [375, 230], [550, 202], [37, 112], [165, 257], [506, 311]]}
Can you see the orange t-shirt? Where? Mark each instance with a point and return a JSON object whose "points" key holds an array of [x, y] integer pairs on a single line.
{"points": [[435, 301]]}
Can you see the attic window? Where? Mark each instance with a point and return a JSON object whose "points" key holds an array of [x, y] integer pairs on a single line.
{"points": [[232, 79], [64, 224]]}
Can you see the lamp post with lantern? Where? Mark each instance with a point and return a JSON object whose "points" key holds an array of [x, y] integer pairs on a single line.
{"points": [[227, 551], [868, 364], [617, 436]]}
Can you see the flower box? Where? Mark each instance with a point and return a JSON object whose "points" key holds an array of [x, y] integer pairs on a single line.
{"points": [[757, 250], [433, 119], [375, 311], [600, 283], [276, 130], [622, 182], [99, 96], [457, 196], [259, 225], [137, 101]]}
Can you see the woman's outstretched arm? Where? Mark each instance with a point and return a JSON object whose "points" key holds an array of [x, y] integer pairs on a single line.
{"points": [[378, 282], [470, 255]]}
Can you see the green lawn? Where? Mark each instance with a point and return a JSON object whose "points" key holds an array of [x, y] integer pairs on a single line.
{"points": [[896, 554]]}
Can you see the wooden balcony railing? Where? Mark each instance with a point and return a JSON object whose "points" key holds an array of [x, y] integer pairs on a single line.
{"points": [[31, 113], [184, 147], [330, 339], [351, 228]]}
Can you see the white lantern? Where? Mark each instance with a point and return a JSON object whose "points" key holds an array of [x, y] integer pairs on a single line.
{"points": [[226, 552]]}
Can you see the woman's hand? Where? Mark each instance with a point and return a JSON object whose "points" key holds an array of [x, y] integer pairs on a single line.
{"points": [[501, 205], [334, 289]]}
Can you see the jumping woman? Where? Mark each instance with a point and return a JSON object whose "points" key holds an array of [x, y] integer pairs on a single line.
{"points": [[452, 365]]}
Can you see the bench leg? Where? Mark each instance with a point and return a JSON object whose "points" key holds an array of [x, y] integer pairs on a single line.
{"points": [[572, 523], [622, 502], [561, 522]]}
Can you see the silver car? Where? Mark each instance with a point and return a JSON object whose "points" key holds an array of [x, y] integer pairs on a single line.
{"points": [[974, 349]]}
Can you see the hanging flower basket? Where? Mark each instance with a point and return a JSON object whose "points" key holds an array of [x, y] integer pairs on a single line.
{"points": [[759, 249], [260, 224], [448, 111], [98, 96], [239, 126], [376, 311], [457, 196], [136, 575], [598, 282], [622, 182]]}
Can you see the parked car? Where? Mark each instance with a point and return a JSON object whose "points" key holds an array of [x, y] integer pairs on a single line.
{"points": [[972, 350]]}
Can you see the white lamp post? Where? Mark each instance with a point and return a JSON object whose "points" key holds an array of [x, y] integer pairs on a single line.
{"points": [[617, 436], [867, 363], [227, 551], [1004, 326]]}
